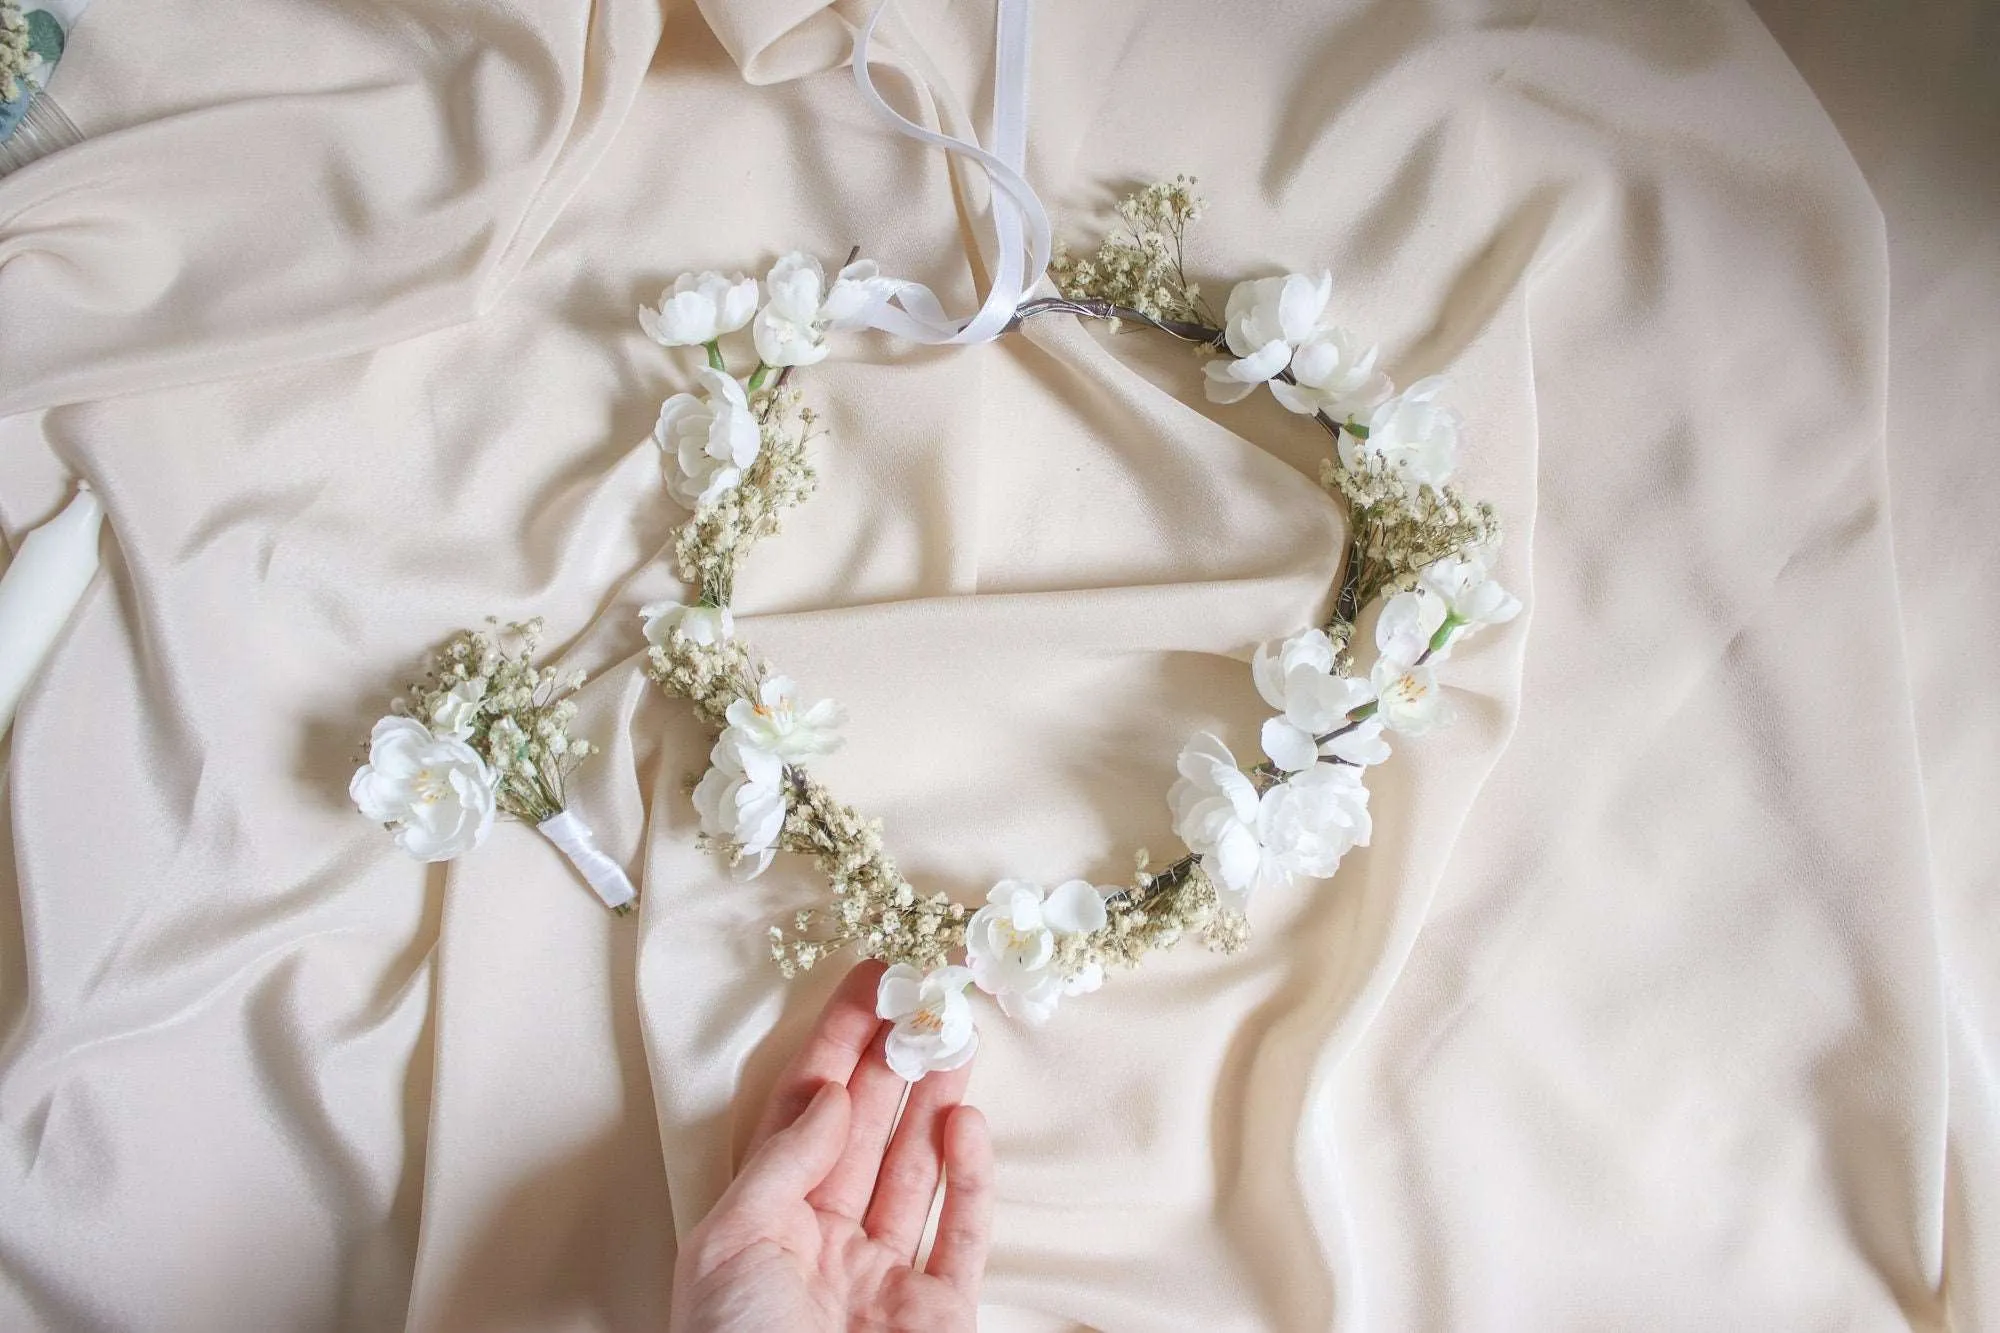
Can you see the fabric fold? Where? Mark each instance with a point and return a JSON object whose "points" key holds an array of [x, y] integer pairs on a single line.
{"points": [[407, 193], [1632, 1014]]}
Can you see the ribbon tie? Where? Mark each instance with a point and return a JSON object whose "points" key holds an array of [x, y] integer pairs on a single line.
{"points": [[1020, 224]]}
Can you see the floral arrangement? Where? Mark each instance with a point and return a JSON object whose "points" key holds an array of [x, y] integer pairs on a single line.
{"points": [[486, 731], [16, 54], [31, 40], [736, 455]]}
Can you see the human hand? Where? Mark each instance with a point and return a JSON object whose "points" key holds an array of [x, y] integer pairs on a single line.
{"points": [[820, 1228]]}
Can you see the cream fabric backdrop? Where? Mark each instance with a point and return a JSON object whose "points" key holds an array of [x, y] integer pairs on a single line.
{"points": [[1642, 1010]]}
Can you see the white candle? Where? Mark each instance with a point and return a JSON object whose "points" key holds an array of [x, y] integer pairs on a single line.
{"points": [[39, 591]]}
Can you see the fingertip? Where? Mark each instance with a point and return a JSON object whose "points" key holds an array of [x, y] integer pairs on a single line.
{"points": [[965, 1225], [822, 1126], [966, 1142], [839, 1040], [861, 984], [830, 1100], [796, 1158]]}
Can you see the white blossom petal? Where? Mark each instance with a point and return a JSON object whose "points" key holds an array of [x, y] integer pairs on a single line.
{"points": [[1362, 745], [435, 791], [1407, 623], [701, 624], [1301, 302], [1075, 908], [1289, 746], [933, 1028]]}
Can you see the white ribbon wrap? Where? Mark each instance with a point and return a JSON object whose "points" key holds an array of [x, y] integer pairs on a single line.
{"points": [[40, 591], [1021, 231], [574, 839]]}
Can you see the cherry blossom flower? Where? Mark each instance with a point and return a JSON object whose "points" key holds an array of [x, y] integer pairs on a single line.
{"points": [[699, 308], [1332, 373], [777, 724], [1298, 680], [934, 1031], [792, 327], [435, 791], [1265, 319], [741, 800], [708, 441], [1310, 820], [1270, 668], [458, 708], [1215, 813], [707, 625], [1407, 696], [1011, 945], [1411, 433], [1249, 841], [1471, 600]]}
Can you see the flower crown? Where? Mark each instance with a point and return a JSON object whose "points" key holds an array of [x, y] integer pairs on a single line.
{"points": [[488, 730], [736, 454]]}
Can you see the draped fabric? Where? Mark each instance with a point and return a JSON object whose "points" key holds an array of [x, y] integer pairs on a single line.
{"points": [[1663, 998]]}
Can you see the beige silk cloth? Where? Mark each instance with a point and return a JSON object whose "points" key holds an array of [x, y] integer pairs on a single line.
{"points": [[1640, 1012]]}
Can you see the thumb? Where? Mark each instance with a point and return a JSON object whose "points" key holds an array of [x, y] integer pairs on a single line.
{"points": [[796, 1158]]}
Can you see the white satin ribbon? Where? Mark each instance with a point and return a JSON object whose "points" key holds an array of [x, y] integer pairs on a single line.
{"points": [[41, 589], [1020, 224], [574, 839]]}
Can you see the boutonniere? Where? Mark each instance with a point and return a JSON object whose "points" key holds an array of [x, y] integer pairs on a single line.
{"points": [[487, 732]]}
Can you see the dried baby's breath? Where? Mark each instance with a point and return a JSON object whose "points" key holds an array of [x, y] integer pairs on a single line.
{"points": [[1143, 267], [1029, 946], [484, 686], [17, 55], [1398, 530], [709, 545]]}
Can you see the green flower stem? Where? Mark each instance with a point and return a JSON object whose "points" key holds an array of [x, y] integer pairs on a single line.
{"points": [[715, 361], [758, 376], [1444, 632]]}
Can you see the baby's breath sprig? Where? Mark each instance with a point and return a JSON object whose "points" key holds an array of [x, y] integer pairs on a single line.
{"points": [[1143, 268], [484, 686], [16, 52], [1159, 910], [876, 912], [1396, 528], [1398, 531], [711, 676], [708, 546]]}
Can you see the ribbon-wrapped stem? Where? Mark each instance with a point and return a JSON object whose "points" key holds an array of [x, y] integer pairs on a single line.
{"points": [[574, 839]]}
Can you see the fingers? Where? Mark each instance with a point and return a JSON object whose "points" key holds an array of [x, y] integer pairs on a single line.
{"points": [[965, 1224], [793, 1160], [846, 1027], [874, 1094], [909, 1173]]}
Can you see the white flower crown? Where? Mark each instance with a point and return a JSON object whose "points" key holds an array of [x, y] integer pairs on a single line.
{"points": [[736, 455], [488, 731]]}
